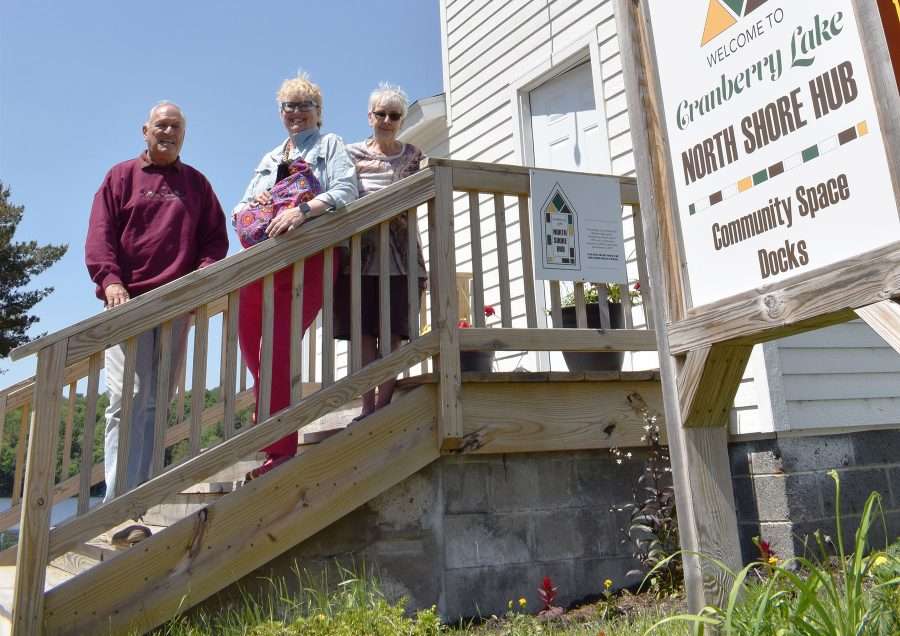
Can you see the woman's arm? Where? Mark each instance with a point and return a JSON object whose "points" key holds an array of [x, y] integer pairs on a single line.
{"points": [[341, 187]]}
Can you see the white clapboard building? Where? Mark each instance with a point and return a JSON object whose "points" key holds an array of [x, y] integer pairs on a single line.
{"points": [[539, 83]]}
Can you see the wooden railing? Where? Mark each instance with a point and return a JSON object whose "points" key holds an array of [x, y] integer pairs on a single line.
{"points": [[76, 353]]}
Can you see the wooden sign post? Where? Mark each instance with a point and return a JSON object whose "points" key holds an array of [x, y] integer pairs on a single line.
{"points": [[766, 137]]}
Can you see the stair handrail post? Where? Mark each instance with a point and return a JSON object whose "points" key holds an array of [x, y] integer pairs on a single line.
{"points": [[37, 502], [445, 308]]}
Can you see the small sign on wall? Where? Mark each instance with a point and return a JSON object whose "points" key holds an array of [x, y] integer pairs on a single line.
{"points": [[577, 227]]}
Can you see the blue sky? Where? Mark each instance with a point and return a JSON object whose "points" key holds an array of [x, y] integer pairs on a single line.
{"points": [[77, 80]]}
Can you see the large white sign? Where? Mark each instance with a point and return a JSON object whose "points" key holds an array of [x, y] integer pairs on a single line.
{"points": [[775, 144], [577, 227]]}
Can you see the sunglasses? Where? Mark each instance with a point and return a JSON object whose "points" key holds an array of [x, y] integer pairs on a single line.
{"points": [[380, 114], [298, 107]]}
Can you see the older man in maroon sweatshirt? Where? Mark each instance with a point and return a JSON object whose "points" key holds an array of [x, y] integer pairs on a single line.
{"points": [[154, 219]]}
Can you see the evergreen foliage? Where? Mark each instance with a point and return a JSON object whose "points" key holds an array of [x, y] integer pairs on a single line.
{"points": [[19, 262]]}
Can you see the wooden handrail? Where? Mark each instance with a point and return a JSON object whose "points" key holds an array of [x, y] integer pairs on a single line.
{"points": [[213, 282], [475, 176]]}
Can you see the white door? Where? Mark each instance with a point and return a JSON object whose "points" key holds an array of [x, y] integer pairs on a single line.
{"points": [[568, 133], [567, 130]]}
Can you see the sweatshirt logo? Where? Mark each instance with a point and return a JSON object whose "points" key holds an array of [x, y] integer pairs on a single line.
{"points": [[724, 14]]}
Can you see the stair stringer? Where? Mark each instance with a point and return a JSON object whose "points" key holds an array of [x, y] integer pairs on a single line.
{"points": [[201, 554]]}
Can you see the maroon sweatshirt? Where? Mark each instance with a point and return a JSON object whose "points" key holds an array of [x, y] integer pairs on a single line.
{"points": [[152, 224]]}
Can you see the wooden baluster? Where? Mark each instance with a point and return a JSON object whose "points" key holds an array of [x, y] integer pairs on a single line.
{"points": [[161, 420], [311, 349], [242, 375], [21, 445], [627, 306], [356, 303], [198, 378], [296, 337], [265, 355], [445, 308], [603, 305], [223, 345], [580, 311], [502, 263], [642, 265], [527, 263], [230, 328], [477, 264], [384, 289], [328, 318], [126, 415], [67, 436], [87, 435], [412, 271], [34, 529], [423, 322], [555, 304]]}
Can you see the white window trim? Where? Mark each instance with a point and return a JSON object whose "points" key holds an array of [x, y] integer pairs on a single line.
{"points": [[445, 55]]}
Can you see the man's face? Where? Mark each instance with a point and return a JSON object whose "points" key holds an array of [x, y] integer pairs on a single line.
{"points": [[164, 134]]}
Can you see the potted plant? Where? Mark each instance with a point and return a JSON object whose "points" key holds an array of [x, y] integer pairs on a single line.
{"points": [[482, 361], [598, 360]]}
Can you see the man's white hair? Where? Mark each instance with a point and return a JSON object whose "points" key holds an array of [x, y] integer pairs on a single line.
{"points": [[162, 104], [389, 94]]}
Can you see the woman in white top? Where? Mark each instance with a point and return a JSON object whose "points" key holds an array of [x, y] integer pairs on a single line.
{"points": [[380, 161]]}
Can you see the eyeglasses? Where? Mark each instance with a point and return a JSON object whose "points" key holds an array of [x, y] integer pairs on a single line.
{"points": [[380, 114], [298, 107]]}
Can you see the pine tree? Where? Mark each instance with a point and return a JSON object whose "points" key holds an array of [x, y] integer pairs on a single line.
{"points": [[19, 262]]}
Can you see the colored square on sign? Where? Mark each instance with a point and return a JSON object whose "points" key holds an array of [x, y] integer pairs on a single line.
{"points": [[745, 184], [776, 169], [846, 136], [558, 201], [760, 177], [692, 209], [810, 153], [716, 197], [862, 128]]}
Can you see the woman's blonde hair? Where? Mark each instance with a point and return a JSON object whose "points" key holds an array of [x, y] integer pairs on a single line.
{"points": [[298, 89], [389, 94]]}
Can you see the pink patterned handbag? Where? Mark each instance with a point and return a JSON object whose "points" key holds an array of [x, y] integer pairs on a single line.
{"points": [[300, 186]]}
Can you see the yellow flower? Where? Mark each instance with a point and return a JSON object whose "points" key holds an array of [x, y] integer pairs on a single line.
{"points": [[320, 617], [607, 584], [773, 561], [522, 602], [879, 561]]}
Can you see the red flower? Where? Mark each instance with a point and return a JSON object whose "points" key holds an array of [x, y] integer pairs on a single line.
{"points": [[489, 310], [463, 324], [637, 286], [547, 592]]}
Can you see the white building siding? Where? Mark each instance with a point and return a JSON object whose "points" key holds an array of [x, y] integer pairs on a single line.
{"points": [[840, 376], [490, 45]]}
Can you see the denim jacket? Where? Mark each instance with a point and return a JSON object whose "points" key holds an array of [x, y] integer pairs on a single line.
{"points": [[328, 159]]}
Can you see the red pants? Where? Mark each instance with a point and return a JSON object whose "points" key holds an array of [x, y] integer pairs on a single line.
{"points": [[250, 336]]}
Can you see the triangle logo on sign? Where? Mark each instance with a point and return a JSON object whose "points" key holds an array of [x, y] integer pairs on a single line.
{"points": [[724, 14], [718, 19]]}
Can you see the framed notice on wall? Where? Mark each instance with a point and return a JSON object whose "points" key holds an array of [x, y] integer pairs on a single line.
{"points": [[774, 140], [577, 227]]}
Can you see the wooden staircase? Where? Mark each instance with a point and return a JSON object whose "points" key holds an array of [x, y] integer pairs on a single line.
{"points": [[212, 531]]}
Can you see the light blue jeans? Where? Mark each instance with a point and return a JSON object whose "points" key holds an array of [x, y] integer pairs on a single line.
{"points": [[143, 411]]}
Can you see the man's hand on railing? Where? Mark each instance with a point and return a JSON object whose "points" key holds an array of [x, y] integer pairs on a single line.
{"points": [[116, 294]]}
